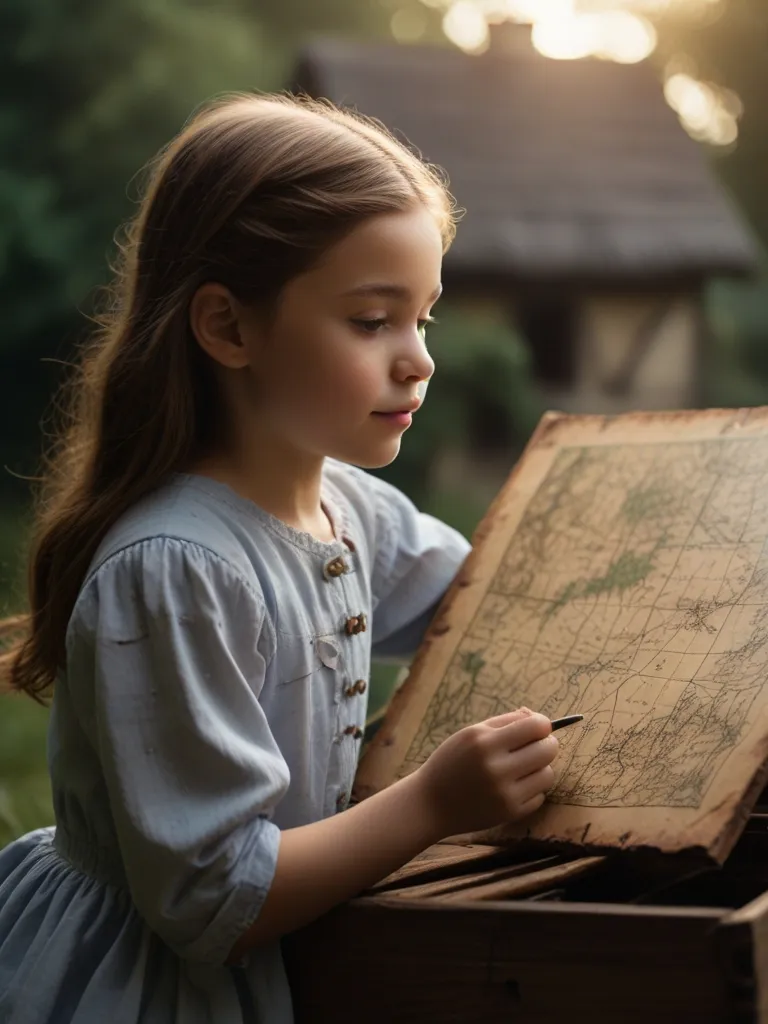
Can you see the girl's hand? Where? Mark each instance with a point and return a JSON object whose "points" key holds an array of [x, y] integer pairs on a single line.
{"points": [[490, 773]]}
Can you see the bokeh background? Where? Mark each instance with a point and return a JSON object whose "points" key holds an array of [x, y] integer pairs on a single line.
{"points": [[610, 155]]}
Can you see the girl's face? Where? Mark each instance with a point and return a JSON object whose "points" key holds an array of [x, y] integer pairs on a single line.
{"points": [[342, 363]]}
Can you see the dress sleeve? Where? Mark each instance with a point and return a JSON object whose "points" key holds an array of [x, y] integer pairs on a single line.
{"points": [[178, 649], [417, 558]]}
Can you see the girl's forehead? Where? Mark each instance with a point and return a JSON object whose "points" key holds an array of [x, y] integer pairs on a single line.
{"points": [[401, 250]]}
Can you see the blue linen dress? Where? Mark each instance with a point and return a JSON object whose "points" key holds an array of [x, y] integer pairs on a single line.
{"points": [[215, 692]]}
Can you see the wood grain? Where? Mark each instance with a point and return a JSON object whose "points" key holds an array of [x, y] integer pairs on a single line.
{"points": [[525, 883], [472, 882], [503, 962]]}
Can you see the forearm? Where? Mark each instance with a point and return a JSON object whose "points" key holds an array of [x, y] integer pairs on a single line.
{"points": [[325, 863]]}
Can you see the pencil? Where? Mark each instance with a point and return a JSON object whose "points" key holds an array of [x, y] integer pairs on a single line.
{"points": [[560, 723]]}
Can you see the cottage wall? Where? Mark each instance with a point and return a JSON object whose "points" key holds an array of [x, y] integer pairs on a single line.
{"points": [[664, 376]]}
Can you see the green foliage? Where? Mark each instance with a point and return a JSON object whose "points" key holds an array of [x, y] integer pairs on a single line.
{"points": [[91, 92], [25, 799], [13, 542], [737, 371], [25, 792], [88, 93], [740, 319]]}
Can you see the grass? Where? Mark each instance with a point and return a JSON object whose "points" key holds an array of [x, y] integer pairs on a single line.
{"points": [[25, 793]]}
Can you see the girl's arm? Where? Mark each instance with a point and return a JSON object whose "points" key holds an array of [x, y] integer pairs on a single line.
{"points": [[485, 774]]}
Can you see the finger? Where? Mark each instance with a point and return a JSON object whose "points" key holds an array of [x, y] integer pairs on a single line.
{"points": [[531, 805], [522, 731], [499, 721], [529, 758], [537, 782]]}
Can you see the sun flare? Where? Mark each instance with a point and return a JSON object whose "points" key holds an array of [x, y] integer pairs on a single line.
{"points": [[615, 30]]}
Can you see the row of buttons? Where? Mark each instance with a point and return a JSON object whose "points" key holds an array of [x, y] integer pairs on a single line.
{"points": [[332, 570], [355, 624]]}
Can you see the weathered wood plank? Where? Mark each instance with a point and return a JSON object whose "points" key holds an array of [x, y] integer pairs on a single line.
{"points": [[531, 963], [472, 881], [525, 883], [442, 861]]}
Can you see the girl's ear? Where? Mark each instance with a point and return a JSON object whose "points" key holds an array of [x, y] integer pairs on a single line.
{"points": [[214, 316]]}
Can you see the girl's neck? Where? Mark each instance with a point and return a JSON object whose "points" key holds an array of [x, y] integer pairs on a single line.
{"points": [[287, 488]]}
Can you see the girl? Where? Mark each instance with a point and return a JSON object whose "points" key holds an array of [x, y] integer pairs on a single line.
{"points": [[212, 574]]}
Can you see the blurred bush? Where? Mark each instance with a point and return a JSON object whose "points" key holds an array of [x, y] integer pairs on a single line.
{"points": [[736, 372]]}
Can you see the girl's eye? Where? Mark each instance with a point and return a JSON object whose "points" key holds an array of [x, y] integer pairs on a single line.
{"points": [[374, 325], [371, 326]]}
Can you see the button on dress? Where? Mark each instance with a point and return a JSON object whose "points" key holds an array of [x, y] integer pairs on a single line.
{"points": [[214, 693]]}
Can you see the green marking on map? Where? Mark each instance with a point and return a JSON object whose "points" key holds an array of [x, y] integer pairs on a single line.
{"points": [[564, 597], [644, 502], [472, 663], [627, 571]]}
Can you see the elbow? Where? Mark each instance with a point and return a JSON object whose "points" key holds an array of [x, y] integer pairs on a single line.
{"points": [[216, 935], [201, 906]]}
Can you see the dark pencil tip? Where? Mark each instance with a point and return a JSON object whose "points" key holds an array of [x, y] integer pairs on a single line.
{"points": [[560, 723]]}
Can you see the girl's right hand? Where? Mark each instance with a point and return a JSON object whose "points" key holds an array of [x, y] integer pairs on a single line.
{"points": [[486, 774]]}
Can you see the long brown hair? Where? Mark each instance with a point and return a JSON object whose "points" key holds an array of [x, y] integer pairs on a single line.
{"points": [[249, 194]]}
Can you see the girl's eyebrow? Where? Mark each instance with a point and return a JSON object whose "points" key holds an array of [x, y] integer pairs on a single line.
{"points": [[391, 291]]}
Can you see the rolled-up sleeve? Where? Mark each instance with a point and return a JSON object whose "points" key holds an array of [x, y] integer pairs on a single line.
{"points": [[417, 558], [192, 771]]}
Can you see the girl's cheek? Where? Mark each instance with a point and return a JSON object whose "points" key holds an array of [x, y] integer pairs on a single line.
{"points": [[363, 374]]}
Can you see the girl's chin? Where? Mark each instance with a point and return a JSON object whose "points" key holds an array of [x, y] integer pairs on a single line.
{"points": [[370, 456]]}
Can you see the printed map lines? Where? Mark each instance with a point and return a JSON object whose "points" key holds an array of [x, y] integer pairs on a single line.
{"points": [[664, 704]]}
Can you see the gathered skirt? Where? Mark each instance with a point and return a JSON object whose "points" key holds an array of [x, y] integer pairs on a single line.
{"points": [[75, 951]]}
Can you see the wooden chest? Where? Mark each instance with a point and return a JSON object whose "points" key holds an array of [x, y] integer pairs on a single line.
{"points": [[627, 940]]}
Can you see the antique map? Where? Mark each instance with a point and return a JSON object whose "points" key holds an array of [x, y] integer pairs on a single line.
{"points": [[621, 574]]}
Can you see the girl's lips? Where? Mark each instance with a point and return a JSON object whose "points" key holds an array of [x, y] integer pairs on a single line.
{"points": [[400, 419]]}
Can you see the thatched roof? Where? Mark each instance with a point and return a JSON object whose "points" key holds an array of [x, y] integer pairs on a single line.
{"points": [[566, 168]]}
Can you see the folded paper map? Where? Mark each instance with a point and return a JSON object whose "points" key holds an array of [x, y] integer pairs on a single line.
{"points": [[621, 573]]}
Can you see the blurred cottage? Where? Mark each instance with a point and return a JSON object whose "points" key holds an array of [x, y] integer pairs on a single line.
{"points": [[593, 221]]}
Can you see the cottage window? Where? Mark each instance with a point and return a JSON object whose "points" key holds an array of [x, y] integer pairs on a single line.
{"points": [[549, 324]]}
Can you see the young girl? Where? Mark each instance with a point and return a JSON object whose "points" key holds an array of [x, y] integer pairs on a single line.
{"points": [[213, 572]]}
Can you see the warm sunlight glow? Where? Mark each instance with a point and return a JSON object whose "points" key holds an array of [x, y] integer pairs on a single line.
{"points": [[612, 35], [466, 26], [624, 37], [708, 112], [566, 37], [616, 30], [649, 6]]}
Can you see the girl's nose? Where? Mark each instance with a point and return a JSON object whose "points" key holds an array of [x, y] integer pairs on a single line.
{"points": [[415, 364]]}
